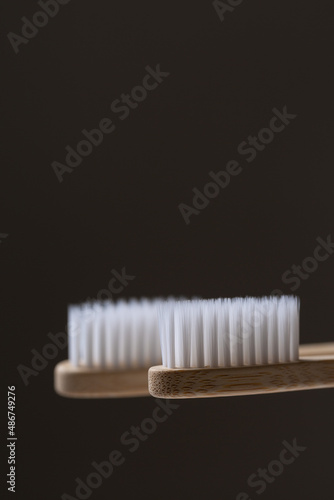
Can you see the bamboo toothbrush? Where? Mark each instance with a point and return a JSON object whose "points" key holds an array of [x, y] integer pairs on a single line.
{"points": [[235, 347], [111, 347]]}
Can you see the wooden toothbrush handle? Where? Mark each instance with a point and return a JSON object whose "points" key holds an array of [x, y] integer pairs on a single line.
{"points": [[314, 370], [321, 349], [81, 382]]}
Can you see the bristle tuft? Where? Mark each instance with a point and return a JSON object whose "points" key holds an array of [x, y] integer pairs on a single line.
{"points": [[229, 332], [114, 335]]}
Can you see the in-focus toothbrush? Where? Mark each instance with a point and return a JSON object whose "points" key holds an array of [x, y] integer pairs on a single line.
{"points": [[232, 347]]}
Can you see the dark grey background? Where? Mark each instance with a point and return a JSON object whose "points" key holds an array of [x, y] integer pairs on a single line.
{"points": [[120, 208]]}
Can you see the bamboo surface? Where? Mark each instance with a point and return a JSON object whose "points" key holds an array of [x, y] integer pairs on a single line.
{"points": [[81, 382], [314, 370]]}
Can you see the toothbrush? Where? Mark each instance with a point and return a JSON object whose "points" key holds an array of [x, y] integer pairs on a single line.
{"points": [[111, 347], [235, 347]]}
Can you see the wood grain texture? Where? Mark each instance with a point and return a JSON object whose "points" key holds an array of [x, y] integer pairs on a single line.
{"points": [[78, 382], [310, 372]]}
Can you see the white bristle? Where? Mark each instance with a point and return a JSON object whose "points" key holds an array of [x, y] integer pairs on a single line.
{"points": [[229, 332], [111, 336]]}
